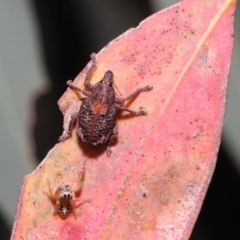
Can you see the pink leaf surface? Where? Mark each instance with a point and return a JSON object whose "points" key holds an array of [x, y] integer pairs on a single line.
{"points": [[154, 183]]}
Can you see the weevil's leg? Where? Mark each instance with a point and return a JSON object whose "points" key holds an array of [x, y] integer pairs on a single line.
{"points": [[70, 128], [139, 90], [84, 92], [141, 110], [90, 71], [111, 139], [108, 151]]}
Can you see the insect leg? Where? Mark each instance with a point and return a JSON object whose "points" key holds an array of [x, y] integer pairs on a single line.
{"points": [[70, 127], [86, 93], [136, 92], [49, 193], [55, 210], [52, 197], [72, 201], [78, 185], [111, 139], [141, 110], [90, 71], [74, 205], [79, 204]]}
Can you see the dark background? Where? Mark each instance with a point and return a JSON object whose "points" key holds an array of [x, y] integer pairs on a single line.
{"points": [[69, 32]]}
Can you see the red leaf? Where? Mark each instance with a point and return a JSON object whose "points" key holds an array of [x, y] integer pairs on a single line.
{"points": [[153, 185]]}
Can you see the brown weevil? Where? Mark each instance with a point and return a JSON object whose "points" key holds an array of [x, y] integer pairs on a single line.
{"points": [[96, 119]]}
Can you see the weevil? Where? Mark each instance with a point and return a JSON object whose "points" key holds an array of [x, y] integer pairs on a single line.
{"points": [[96, 119]]}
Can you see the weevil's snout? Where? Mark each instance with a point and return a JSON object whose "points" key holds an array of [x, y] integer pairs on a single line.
{"points": [[108, 78]]}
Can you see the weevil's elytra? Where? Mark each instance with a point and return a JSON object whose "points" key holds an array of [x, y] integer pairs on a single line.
{"points": [[96, 119]]}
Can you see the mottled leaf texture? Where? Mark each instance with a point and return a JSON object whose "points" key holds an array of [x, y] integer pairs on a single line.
{"points": [[154, 183]]}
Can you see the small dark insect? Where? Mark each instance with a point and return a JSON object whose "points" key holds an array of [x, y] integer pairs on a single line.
{"points": [[63, 198], [96, 119]]}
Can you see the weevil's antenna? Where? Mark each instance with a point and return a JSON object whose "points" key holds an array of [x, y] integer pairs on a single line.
{"points": [[117, 89]]}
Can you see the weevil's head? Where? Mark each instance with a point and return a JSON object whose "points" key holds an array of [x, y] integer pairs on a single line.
{"points": [[103, 93], [108, 78]]}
